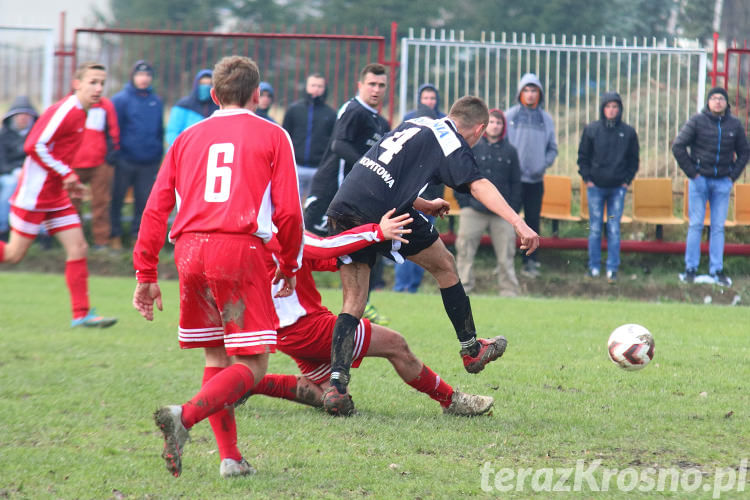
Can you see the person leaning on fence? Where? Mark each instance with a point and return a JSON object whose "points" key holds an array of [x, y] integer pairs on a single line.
{"points": [[718, 154], [101, 139], [498, 163], [15, 126], [608, 162], [192, 108], [309, 122], [532, 132], [48, 183]]}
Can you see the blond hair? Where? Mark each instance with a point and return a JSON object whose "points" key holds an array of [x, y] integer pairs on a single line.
{"points": [[84, 67]]}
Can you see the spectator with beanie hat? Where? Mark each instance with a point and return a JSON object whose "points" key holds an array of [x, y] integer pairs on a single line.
{"points": [[139, 115], [265, 102], [718, 153]]}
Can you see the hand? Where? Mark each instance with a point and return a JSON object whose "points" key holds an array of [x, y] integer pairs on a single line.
{"points": [[437, 207], [393, 228], [529, 238], [289, 284], [73, 186], [144, 297], [590, 184]]}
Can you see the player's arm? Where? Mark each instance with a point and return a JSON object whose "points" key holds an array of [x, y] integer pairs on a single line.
{"points": [[488, 195], [153, 228], [37, 146], [436, 208], [390, 228], [287, 215]]}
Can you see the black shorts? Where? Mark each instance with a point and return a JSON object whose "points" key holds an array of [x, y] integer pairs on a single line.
{"points": [[423, 234]]}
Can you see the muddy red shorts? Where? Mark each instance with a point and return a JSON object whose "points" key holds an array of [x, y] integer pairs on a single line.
{"points": [[308, 342], [225, 294], [29, 223]]}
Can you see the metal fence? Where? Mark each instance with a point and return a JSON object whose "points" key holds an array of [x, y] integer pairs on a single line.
{"points": [[284, 59], [660, 86], [26, 64]]}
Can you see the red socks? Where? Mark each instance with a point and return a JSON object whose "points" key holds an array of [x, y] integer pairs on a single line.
{"points": [[221, 390], [77, 278], [2, 251], [432, 385], [278, 386], [223, 423]]}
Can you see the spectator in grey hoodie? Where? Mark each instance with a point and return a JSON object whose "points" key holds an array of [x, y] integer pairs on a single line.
{"points": [[532, 133]]}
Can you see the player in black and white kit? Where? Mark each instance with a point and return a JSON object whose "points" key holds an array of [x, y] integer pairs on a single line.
{"points": [[392, 175], [358, 127]]}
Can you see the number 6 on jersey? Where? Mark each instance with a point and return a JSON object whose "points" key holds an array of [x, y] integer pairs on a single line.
{"points": [[214, 171]]}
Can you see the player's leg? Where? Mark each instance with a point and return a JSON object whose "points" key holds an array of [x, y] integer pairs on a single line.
{"points": [[15, 249], [355, 278], [389, 344], [297, 388], [476, 353], [66, 227]]}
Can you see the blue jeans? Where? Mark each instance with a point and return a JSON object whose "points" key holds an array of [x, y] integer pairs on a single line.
{"points": [[142, 177], [614, 198], [7, 186], [715, 191]]}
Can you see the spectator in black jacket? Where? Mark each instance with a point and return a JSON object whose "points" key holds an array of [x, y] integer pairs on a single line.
{"points": [[309, 122], [608, 162], [498, 162], [718, 153], [14, 127]]}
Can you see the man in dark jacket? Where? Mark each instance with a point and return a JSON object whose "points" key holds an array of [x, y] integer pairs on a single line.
{"points": [[309, 122], [718, 153], [608, 162], [140, 117], [14, 127], [498, 162]]}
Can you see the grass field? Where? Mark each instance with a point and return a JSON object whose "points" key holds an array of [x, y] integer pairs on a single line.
{"points": [[76, 405]]}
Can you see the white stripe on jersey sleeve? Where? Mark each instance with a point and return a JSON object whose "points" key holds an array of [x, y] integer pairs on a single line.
{"points": [[49, 130], [445, 135], [265, 211]]}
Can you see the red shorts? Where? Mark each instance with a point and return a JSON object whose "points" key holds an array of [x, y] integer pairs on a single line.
{"points": [[29, 223], [308, 342], [225, 294]]}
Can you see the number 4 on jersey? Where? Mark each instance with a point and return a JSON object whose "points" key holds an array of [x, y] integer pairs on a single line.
{"points": [[394, 143]]}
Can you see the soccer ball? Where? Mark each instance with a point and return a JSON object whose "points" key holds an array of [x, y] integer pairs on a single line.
{"points": [[631, 347]]}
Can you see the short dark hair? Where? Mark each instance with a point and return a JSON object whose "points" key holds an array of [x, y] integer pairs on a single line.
{"points": [[315, 75], [235, 80], [376, 69], [469, 111], [86, 66]]}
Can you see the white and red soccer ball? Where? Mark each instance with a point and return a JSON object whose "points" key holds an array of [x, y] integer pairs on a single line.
{"points": [[631, 347]]}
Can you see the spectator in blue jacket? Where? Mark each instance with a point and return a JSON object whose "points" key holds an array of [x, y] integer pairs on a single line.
{"points": [[192, 108], [429, 103], [139, 115]]}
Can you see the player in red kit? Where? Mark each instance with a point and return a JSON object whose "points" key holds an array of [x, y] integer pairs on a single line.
{"points": [[306, 331], [47, 184], [232, 177]]}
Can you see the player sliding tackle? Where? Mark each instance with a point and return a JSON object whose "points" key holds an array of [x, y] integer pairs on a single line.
{"points": [[306, 330], [392, 174]]}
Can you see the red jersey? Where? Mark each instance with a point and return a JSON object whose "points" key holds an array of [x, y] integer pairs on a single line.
{"points": [[51, 146], [320, 254], [233, 173], [100, 123]]}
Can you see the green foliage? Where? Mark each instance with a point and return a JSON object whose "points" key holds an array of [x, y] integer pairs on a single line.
{"points": [[76, 413], [188, 14], [696, 18]]}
